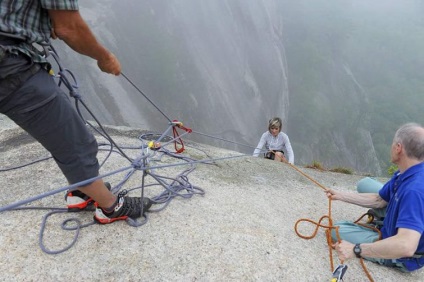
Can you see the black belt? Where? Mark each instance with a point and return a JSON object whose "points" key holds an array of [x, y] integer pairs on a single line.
{"points": [[10, 39], [7, 41]]}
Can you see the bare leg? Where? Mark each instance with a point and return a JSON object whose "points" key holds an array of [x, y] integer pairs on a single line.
{"points": [[98, 192], [279, 157]]}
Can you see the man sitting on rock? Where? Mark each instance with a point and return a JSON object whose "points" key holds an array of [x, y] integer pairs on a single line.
{"points": [[402, 199]]}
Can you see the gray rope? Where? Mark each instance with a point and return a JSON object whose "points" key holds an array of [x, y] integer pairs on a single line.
{"points": [[64, 226], [174, 187], [24, 165], [62, 189], [222, 139], [145, 96]]}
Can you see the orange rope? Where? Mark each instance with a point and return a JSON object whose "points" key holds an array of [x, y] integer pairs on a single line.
{"points": [[329, 227], [310, 178]]}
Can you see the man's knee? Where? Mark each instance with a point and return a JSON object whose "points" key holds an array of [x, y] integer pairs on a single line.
{"points": [[368, 185]]}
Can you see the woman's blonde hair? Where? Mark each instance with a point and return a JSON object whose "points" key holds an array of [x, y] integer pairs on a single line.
{"points": [[275, 122]]}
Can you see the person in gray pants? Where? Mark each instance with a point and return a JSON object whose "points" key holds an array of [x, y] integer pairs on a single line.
{"points": [[30, 97]]}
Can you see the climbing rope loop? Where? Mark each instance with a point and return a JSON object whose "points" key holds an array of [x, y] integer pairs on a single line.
{"points": [[329, 227], [149, 156]]}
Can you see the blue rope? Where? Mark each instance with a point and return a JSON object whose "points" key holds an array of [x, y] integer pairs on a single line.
{"points": [[62, 189]]}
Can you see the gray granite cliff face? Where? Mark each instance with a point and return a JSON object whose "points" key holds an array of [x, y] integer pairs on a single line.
{"points": [[242, 229], [221, 68]]}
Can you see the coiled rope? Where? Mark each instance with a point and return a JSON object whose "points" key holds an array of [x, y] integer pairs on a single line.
{"points": [[328, 228], [178, 186]]}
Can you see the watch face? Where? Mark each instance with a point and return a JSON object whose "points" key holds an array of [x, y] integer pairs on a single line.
{"points": [[357, 250]]}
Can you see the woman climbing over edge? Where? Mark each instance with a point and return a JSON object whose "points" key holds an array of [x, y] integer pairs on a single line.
{"points": [[276, 142]]}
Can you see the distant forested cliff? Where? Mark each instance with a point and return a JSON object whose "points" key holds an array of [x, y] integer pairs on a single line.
{"points": [[342, 74]]}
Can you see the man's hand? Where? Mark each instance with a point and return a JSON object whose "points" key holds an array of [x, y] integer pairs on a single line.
{"points": [[109, 64], [345, 250], [333, 194], [70, 27]]}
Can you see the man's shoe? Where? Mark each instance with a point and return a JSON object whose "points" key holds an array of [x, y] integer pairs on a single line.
{"points": [[77, 200], [127, 207]]}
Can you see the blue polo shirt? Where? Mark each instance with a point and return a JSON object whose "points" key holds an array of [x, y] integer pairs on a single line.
{"points": [[404, 194]]}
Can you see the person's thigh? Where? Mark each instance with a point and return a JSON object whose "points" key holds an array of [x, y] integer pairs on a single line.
{"points": [[354, 233], [389, 263], [357, 234], [42, 109]]}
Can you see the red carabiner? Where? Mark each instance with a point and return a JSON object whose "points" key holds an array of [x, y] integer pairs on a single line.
{"points": [[177, 138]]}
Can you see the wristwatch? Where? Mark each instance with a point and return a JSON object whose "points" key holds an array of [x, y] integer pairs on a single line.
{"points": [[357, 250]]}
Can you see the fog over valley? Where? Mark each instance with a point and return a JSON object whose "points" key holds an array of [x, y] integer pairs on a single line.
{"points": [[343, 75]]}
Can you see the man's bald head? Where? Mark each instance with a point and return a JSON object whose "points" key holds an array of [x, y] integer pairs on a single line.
{"points": [[411, 136]]}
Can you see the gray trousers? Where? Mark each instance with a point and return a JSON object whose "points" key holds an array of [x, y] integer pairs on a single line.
{"points": [[31, 98]]}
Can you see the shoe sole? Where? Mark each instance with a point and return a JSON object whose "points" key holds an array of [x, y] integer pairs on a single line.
{"points": [[108, 220]]}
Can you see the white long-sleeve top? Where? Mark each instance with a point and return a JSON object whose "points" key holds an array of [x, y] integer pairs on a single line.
{"points": [[280, 142]]}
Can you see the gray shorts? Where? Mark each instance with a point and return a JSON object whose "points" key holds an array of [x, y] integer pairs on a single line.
{"points": [[31, 98]]}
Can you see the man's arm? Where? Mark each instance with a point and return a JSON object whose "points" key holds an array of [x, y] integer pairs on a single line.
{"points": [[403, 244], [70, 27], [367, 200]]}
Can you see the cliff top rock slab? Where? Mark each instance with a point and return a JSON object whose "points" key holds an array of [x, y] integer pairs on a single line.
{"points": [[242, 229]]}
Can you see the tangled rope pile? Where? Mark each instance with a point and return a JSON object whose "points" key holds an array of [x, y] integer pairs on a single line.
{"points": [[150, 153]]}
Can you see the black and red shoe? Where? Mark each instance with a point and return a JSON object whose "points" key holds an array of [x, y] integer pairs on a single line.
{"points": [[126, 207]]}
